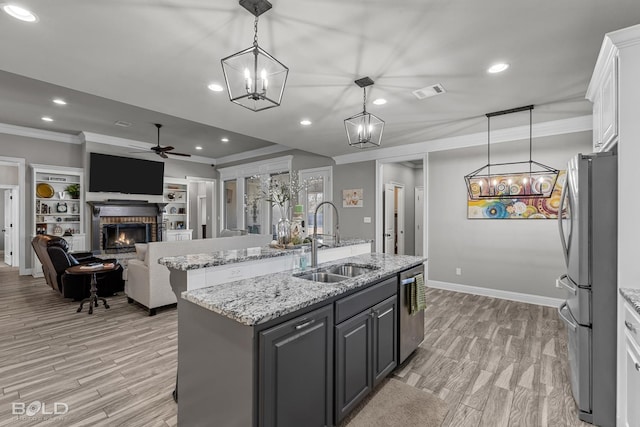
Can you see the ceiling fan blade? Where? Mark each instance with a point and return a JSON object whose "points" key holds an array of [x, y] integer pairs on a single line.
{"points": [[179, 154], [167, 148], [162, 154]]}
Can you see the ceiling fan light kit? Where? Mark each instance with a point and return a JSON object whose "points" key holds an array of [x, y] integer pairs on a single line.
{"points": [[364, 130], [511, 180], [163, 151], [254, 78]]}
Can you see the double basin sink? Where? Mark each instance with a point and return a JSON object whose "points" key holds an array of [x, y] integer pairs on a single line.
{"points": [[336, 273]]}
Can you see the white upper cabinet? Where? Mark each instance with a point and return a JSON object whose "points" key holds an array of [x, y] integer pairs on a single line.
{"points": [[603, 92]]}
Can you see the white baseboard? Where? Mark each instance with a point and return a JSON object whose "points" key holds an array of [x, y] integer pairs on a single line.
{"points": [[496, 293]]}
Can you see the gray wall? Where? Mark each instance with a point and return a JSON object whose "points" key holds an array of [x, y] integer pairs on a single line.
{"points": [[512, 255], [356, 175], [8, 174], [37, 151], [54, 153]]}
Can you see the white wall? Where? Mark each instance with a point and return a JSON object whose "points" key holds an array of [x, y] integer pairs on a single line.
{"points": [[521, 256]]}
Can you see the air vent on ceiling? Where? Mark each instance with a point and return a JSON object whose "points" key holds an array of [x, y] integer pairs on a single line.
{"points": [[122, 123], [429, 91]]}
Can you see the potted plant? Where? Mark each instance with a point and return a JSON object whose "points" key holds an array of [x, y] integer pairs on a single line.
{"points": [[279, 192], [73, 190]]}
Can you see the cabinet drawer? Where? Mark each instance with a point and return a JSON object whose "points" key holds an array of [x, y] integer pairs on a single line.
{"points": [[354, 304], [632, 323]]}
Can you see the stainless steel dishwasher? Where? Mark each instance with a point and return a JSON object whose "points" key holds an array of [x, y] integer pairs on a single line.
{"points": [[411, 325]]}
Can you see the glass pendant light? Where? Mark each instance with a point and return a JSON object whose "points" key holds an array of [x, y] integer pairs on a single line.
{"points": [[255, 79], [364, 130]]}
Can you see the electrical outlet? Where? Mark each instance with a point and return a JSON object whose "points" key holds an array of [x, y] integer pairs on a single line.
{"points": [[458, 271]]}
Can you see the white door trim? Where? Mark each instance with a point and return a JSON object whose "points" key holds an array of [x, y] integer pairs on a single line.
{"points": [[22, 230], [379, 208]]}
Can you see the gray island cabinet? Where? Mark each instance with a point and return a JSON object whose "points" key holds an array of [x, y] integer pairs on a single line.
{"points": [[279, 350]]}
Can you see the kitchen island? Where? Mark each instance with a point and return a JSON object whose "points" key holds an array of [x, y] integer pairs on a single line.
{"points": [[260, 351]]}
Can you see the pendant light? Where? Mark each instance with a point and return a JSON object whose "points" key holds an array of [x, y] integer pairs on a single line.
{"points": [[254, 78], [511, 180], [364, 130]]}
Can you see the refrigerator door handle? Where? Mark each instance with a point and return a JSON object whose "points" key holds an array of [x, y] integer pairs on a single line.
{"points": [[560, 281], [563, 197], [569, 323]]}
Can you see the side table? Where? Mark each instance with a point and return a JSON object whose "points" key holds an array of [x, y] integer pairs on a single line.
{"points": [[92, 270]]}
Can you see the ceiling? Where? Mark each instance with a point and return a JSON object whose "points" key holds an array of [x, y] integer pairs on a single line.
{"points": [[147, 61]]}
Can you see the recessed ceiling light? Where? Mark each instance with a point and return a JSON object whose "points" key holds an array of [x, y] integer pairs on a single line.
{"points": [[498, 68], [122, 123], [215, 87], [305, 122], [380, 101], [198, 147], [60, 101], [20, 13], [47, 119], [225, 140]]}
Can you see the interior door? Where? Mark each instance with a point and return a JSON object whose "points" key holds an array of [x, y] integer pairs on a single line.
{"points": [[419, 213], [7, 227], [389, 211]]}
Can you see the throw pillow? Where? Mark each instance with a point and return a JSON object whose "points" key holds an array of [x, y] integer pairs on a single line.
{"points": [[141, 251]]}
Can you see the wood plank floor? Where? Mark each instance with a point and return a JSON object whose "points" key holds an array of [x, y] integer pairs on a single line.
{"points": [[496, 362]]}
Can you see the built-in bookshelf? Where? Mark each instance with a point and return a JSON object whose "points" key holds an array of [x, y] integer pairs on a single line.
{"points": [[58, 206], [175, 217]]}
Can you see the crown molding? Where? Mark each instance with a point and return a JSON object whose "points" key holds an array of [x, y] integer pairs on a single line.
{"points": [[611, 45], [264, 151], [132, 143], [39, 134], [556, 127], [625, 37], [272, 165]]}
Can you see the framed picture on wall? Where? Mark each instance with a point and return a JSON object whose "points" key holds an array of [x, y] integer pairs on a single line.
{"points": [[180, 225], [352, 198]]}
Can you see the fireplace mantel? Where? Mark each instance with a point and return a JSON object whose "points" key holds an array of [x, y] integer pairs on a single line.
{"points": [[122, 208]]}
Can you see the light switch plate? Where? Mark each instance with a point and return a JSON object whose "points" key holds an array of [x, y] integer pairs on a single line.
{"points": [[367, 220]]}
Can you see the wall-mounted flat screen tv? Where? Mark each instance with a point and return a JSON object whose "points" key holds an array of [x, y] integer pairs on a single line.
{"points": [[115, 174]]}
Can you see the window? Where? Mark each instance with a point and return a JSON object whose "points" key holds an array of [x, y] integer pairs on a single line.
{"points": [[319, 189], [253, 205], [230, 205]]}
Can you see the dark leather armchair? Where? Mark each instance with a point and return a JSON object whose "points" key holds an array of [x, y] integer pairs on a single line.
{"points": [[53, 253]]}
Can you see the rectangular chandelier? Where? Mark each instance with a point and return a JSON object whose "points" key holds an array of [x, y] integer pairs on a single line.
{"points": [[521, 180]]}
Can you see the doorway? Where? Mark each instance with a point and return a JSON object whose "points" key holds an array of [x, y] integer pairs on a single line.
{"points": [[202, 209], [394, 219], [401, 205], [13, 177]]}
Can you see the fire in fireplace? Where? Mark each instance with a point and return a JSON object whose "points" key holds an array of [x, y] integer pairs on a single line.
{"points": [[125, 235]]}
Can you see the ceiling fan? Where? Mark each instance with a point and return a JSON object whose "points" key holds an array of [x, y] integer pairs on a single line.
{"points": [[163, 151]]}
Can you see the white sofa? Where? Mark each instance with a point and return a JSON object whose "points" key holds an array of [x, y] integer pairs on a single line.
{"points": [[147, 282]]}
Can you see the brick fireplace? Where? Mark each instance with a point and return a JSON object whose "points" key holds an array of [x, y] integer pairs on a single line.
{"points": [[116, 225]]}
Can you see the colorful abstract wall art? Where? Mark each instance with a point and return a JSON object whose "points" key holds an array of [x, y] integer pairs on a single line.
{"points": [[525, 208]]}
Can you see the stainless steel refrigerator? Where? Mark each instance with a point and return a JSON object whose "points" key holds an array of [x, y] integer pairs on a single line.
{"points": [[589, 240]]}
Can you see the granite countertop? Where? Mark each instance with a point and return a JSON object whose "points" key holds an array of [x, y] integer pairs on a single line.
{"points": [[215, 258], [632, 296], [257, 300]]}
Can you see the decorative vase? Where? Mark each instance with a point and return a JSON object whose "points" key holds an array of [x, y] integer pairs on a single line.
{"points": [[284, 231]]}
